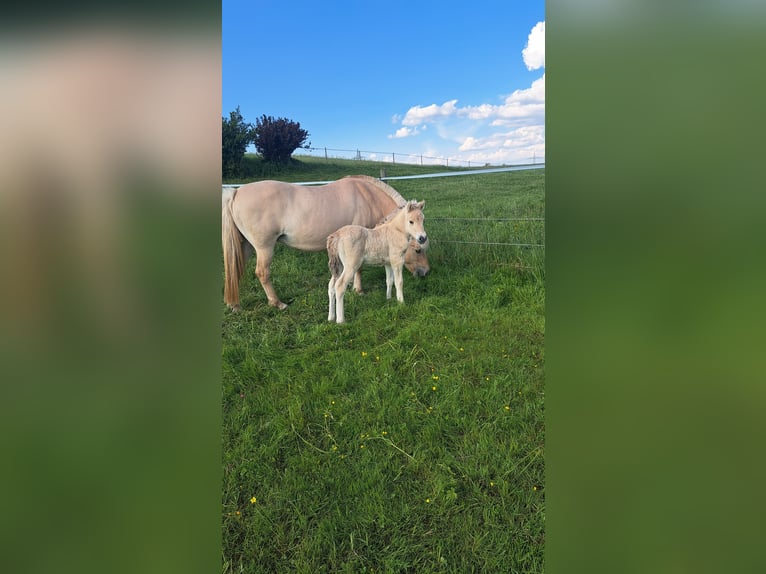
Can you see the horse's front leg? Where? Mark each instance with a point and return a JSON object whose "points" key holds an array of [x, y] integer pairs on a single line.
{"points": [[263, 272]]}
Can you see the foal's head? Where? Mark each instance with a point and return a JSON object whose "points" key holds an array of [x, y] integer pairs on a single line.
{"points": [[414, 221]]}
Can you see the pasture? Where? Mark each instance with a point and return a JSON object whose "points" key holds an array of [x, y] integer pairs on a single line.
{"points": [[411, 438]]}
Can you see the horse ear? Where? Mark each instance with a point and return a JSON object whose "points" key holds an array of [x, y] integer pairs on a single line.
{"points": [[415, 205]]}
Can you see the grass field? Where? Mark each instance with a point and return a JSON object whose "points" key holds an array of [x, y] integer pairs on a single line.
{"points": [[411, 438], [313, 168]]}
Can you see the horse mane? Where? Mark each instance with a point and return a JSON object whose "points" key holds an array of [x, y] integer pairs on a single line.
{"points": [[383, 186]]}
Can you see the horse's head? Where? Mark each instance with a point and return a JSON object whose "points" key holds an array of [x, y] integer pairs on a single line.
{"points": [[416, 260], [414, 221]]}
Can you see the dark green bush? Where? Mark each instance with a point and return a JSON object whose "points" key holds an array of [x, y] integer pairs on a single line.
{"points": [[236, 135], [277, 138]]}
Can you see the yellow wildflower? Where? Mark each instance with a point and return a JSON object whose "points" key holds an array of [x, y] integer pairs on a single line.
{"points": [[253, 500]]}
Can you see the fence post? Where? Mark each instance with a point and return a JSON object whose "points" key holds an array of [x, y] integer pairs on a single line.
{"points": [[325, 152], [382, 173], [393, 157]]}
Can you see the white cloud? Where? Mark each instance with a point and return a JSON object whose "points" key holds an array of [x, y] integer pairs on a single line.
{"points": [[526, 103], [404, 132], [534, 52], [523, 104], [423, 114], [518, 138], [512, 131]]}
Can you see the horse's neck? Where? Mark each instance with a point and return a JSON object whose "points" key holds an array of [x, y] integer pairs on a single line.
{"points": [[396, 224]]}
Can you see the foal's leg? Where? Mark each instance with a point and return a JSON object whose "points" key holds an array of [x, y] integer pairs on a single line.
{"points": [[263, 272], [331, 297], [341, 284], [398, 283], [389, 280]]}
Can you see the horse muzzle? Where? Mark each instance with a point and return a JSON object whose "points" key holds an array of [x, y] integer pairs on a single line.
{"points": [[422, 238]]}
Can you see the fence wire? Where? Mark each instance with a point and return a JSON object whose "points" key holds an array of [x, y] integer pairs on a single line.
{"points": [[449, 174]]}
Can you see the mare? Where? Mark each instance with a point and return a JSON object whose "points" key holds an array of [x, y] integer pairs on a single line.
{"points": [[352, 245], [257, 215]]}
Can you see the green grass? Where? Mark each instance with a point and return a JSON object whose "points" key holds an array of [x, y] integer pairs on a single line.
{"points": [[411, 438], [313, 168]]}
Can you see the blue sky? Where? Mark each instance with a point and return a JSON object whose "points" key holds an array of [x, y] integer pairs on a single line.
{"points": [[464, 81]]}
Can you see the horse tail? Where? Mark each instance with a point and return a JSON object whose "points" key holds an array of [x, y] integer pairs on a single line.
{"points": [[334, 262], [233, 255]]}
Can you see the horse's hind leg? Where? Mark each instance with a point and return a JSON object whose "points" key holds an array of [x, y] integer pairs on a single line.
{"points": [[358, 282], [263, 272], [247, 250]]}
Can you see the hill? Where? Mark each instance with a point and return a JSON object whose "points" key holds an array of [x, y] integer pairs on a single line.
{"points": [[312, 168]]}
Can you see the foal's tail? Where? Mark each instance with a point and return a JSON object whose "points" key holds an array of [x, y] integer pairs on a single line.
{"points": [[334, 262], [233, 256]]}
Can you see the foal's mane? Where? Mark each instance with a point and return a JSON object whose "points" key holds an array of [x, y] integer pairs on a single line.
{"points": [[393, 214], [383, 186]]}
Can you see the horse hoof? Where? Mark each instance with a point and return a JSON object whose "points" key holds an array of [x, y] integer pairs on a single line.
{"points": [[235, 309], [279, 305]]}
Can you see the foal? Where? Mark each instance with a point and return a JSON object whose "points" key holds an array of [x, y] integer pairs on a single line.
{"points": [[352, 245]]}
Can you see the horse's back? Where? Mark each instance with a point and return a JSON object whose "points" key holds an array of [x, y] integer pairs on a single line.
{"points": [[301, 216]]}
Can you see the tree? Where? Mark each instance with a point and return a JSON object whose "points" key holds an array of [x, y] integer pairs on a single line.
{"points": [[236, 135], [277, 139]]}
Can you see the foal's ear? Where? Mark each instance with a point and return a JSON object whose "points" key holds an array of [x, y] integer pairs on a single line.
{"points": [[415, 205]]}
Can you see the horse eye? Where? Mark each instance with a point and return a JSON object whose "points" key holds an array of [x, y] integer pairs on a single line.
{"points": [[411, 222]]}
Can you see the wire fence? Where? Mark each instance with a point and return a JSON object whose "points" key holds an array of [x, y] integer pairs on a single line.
{"points": [[521, 167], [540, 220], [399, 157]]}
